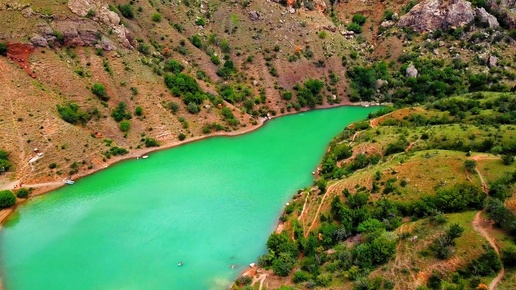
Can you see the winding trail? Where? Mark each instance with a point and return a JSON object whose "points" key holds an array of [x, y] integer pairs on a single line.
{"points": [[479, 227], [319, 208]]}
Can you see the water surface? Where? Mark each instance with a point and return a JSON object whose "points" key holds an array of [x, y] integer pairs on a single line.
{"points": [[211, 204]]}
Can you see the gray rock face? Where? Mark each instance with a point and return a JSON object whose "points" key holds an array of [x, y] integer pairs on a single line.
{"points": [[104, 16], [430, 15], [78, 33], [484, 17], [411, 71]]}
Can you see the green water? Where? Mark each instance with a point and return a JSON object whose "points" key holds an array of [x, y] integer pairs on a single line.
{"points": [[210, 204]]}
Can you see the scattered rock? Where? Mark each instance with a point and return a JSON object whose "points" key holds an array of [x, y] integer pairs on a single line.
{"points": [[39, 40], [430, 15], [291, 10], [484, 17], [380, 83], [330, 28], [387, 24], [254, 15], [411, 71], [492, 61]]}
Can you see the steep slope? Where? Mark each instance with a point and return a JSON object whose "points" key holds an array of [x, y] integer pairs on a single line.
{"points": [[391, 192]]}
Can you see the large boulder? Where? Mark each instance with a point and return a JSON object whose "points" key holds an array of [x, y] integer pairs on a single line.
{"points": [[430, 15], [484, 17], [411, 71]]}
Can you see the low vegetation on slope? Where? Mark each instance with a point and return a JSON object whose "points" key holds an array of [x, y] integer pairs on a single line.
{"points": [[396, 197]]}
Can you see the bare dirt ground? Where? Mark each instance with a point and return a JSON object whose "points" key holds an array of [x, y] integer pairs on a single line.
{"points": [[19, 53]]}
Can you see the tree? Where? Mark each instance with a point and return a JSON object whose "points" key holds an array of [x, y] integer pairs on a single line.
{"points": [[126, 10], [23, 193], [125, 126], [508, 159], [120, 113], [359, 19], [470, 165], [138, 111], [4, 161], [7, 199], [321, 184], [174, 66], [283, 265], [100, 91], [496, 211]]}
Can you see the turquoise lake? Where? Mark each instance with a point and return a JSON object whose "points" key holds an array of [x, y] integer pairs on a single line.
{"points": [[211, 204]]}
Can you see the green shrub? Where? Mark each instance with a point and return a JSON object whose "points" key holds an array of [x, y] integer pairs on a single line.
{"points": [[156, 17], [100, 91], [3, 48], [125, 126], [138, 111], [182, 137], [117, 151], [151, 142], [193, 108], [196, 41], [509, 256], [52, 165], [7, 199], [387, 15], [120, 113], [71, 113], [126, 10], [359, 19], [174, 66], [200, 21], [301, 276], [243, 280], [22, 193], [356, 28]]}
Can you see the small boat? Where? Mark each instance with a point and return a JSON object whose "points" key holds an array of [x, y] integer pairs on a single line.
{"points": [[180, 264], [68, 181], [145, 156]]}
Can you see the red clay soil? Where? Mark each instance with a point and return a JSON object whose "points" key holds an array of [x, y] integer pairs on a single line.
{"points": [[19, 53]]}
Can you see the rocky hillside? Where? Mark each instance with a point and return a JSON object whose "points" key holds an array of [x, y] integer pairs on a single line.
{"points": [[88, 82], [418, 198]]}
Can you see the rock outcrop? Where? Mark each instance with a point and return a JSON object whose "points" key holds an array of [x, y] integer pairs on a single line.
{"points": [[430, 15], [99, 12], [411, 71], [484, 17]]}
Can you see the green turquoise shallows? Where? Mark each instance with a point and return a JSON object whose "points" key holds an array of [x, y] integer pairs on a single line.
{"points": [[209, 204]]}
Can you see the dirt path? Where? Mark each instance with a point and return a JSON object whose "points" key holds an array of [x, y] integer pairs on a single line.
{"points": [[303, 210], [328, 190], [261, 278], [478, 226], [482, 181]]}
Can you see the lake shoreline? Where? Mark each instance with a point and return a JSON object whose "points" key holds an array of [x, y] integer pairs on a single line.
{"points": [[5, 213], [42, 188]]}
